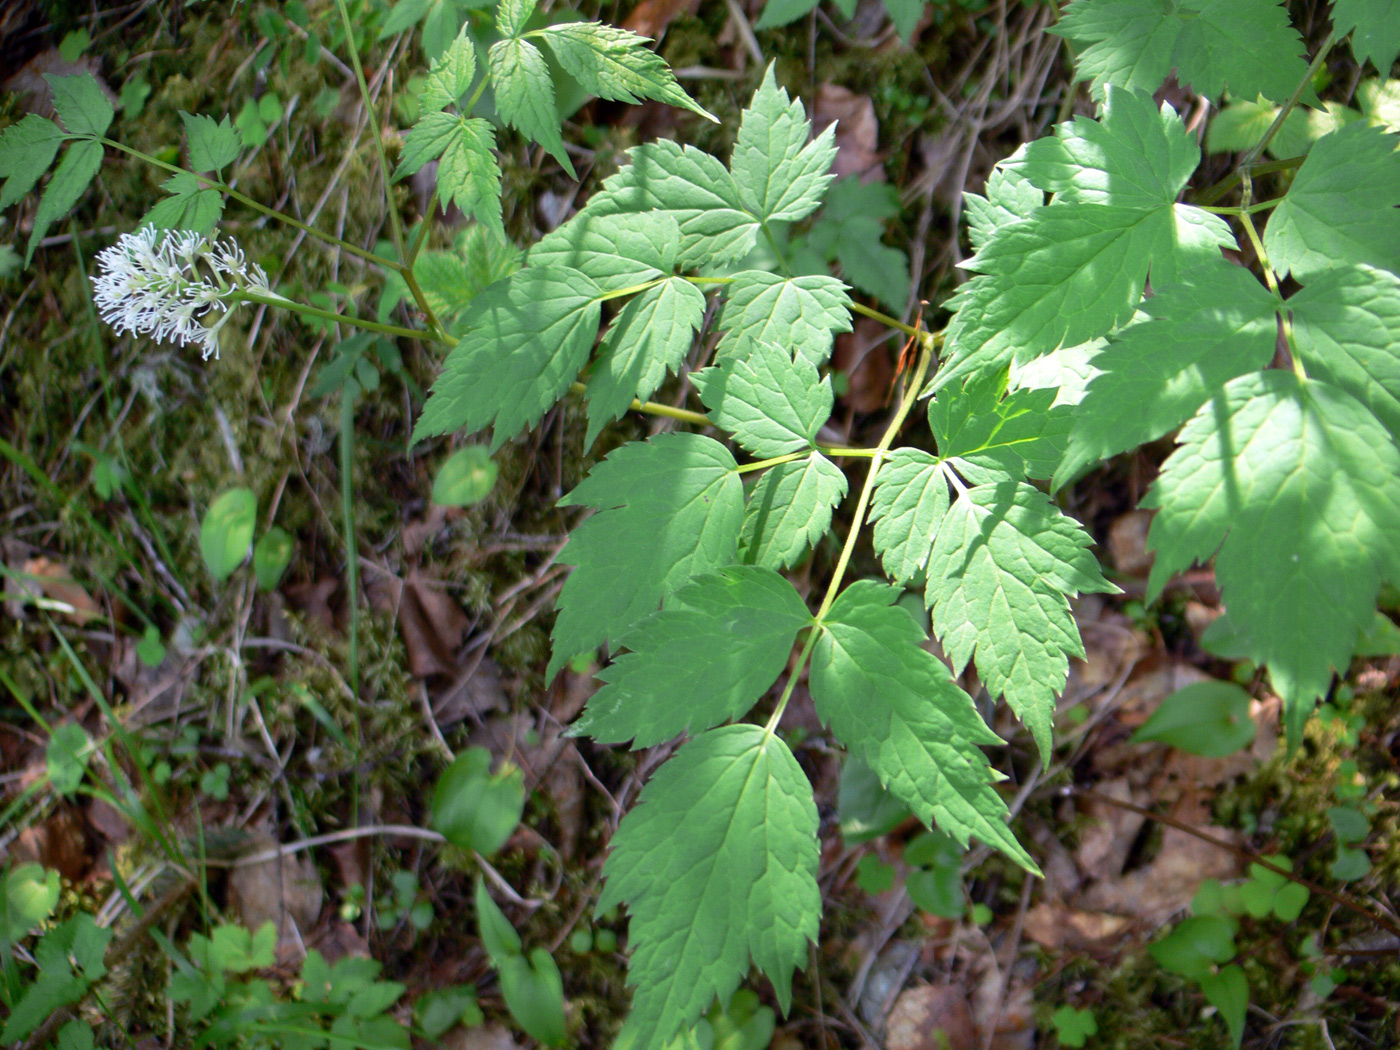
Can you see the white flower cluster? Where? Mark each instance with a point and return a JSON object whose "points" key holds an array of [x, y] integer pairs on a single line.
{"points": [[165, 285]]}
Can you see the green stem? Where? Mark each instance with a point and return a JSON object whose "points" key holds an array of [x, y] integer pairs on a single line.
{"points": [[632, 290], [1287, 108], [272, 213], [885, 319], [352, 580], [653, 408], [373, 119], [1287, 322], [331, 315], [1211, 194]]}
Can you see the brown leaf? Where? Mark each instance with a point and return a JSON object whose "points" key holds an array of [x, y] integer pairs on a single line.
{"points": [[431, 622], [285, 891], [58, 585], [864, 355], [313, 600], [1056, 926], [931, 1017], [34, 92], [857, 133], [651, 18], [1127, 543]]}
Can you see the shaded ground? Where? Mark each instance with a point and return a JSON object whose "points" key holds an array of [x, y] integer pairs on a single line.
{"points": [[248, 712]]}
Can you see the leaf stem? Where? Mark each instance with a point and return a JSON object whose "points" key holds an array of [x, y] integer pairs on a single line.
{"points": [[653, 408], [1287, 107], [331, 315], [885, 319], [1272, 280]]}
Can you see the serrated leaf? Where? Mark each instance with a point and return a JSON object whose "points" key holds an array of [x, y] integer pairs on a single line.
{"points": [[770, 401], [650, 336], [1290, 480], [669, 509], [1004, 564], [1341, 207], [691, 187], [789, 510], [450, 280], [212, 144], [468, 175], [525, 95], [894, 703], [616, 250], [714, 649], [26, 151], [781, 12], [1346, 325], [189, 207], [990, 437], [615, 64], [1134, 155], [780, 175], [1249, 45], [911, 497], [1154, 375], [451, 76], [80, 163], [1374, 26], [739, 884], [1010, 197], [525, 340], [851, 227], [512, 16], [80, 104], [802, 313]]}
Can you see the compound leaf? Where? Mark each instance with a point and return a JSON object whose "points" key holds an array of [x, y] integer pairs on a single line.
{"points": [[525, 339], [911, 497], [650, 335], [1291, 480], [467, 175], [894, 703], [512, 15], [1341, 207], [213, 144], [739, 883], [804, 313], [80, 104], [780, 175], [772, 403], [616, 250], [451, 76], [669, 509], [691, 187], [77, 168], [616, 64], [26, 151], [189, 206], [1375, 29], [719, 643], [990, 437], [1249, 45], [1004, 564], [789, 510], [1154, 375], [525, 95]]}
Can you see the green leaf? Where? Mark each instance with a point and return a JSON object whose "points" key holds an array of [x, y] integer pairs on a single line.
{"points": [[714, 649], [66, 758], [1207, 718], [617, 250], [1228, 992], [451, 76], [1340, 207], [771, 403], [525, 95], [738, 884], [190, 207], [894, 703], [474, 808], [512, 16], [1076, 269], [1289, 479], [26, 151], [780, 175], [28, 895], [404, 15], [802, 313], [452, 279], [1004, 564], [851, 227], [905, 15], [669, 509], [615, 64], [1010, 198], [468, 175], [650, 336], [1194, 945], [77, 168], [227, 532], [525, 340], [271, 556], [80, 104], [789, 510], [1348, 823], [689, 186], [1154, 375], [1248, 44], [911, 498], [1350, 864], [1346, 325], [76, 1035], [534, 993], [866, 810], [1374, 26], [466, 478], [989, 437], [781, 12], [1073, 1027], [213, 145], [439, 1011]]}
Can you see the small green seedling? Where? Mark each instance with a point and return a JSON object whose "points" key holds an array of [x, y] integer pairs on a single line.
{"points": [[532, 986], [935, 884], [474, 808], [438, 1012], [467, 477], [227, 532], [1074, 1027]]}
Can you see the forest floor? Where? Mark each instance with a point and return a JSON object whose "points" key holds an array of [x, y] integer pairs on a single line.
{"points": [[233, 703]]}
